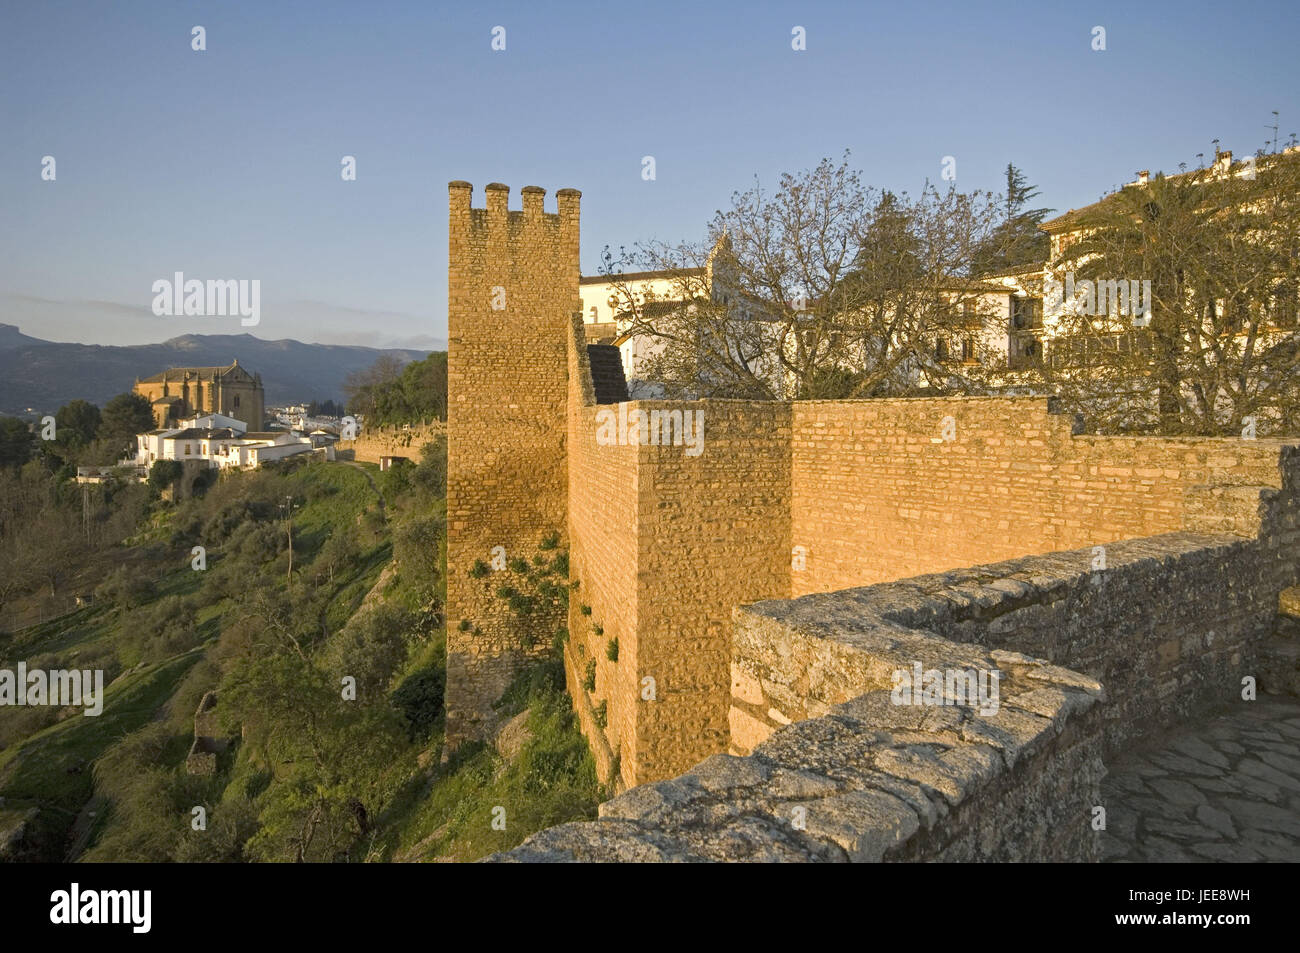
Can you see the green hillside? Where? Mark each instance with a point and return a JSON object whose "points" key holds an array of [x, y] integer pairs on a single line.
{"points": [[327, 661]]}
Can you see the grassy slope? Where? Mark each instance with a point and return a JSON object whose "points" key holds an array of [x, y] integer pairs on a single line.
{"points": [[52, 768], [441, 812]]}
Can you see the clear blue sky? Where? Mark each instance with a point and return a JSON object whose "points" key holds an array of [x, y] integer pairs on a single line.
{"points": [[225, 163]]}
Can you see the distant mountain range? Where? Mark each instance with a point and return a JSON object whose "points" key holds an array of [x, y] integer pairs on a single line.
{"points": [[45, 375]]}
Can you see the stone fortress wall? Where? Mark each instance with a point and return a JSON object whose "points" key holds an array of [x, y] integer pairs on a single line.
{"points": [[825, 767], [870, 492], [756, 597], [407, 442]]}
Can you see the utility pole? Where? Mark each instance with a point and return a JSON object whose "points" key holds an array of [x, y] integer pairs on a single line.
{"points": [[287, 506]]}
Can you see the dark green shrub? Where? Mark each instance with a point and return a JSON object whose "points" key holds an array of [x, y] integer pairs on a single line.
{"points": [[420, 700]]}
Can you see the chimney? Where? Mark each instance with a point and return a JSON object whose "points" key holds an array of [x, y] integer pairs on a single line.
{"points": [[1223, 161]]}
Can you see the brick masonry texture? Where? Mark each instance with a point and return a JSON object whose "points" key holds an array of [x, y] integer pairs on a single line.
{"points": [[603, 535], [878, 494], [507, 397]]}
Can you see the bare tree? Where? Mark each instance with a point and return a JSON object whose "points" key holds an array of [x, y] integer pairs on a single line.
{"points": [[361, 388], [823, 288]]}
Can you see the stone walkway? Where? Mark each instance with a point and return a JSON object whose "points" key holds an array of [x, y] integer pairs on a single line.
{"points": [[1227, 789]]}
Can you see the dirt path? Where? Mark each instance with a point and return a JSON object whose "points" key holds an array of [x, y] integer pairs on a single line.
{"points": [[371, 480]]}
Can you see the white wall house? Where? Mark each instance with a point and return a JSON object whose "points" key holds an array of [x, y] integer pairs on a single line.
{"points": [[609, 317], [222, 442]]}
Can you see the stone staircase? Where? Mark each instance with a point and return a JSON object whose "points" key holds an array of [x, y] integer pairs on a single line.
{"points": [[607, 373], [1279, 654]]}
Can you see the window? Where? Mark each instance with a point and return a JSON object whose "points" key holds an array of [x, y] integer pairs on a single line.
{"points": [[593, 312], [187, 450], [941, 350], [236, 404], [968, 350], [1026, 313]]}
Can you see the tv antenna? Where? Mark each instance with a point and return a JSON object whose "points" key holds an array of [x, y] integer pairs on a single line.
{"points": [[1274, 128]]}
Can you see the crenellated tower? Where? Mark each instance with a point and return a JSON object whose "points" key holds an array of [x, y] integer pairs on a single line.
{"points": [[512, 285]]}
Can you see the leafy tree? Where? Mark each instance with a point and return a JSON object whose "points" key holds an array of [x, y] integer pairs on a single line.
{"points": [[1221, 249], [416, 546], [231, 824], [362, 387], [370, 648], [431, 472], [76, 423], [396, 480], [337, 554], [324, 408], [1017, 240], [389, 394], [332, 755], [163, 473], [128, 588], [16, 440], [123, 417], [420, 699]]}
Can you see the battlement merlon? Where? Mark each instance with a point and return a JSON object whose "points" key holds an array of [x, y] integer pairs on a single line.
{"points": [[496, 211]]}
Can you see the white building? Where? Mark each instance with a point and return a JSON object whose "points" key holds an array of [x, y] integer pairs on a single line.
{"points": [[223, 442], [611, 318]]}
